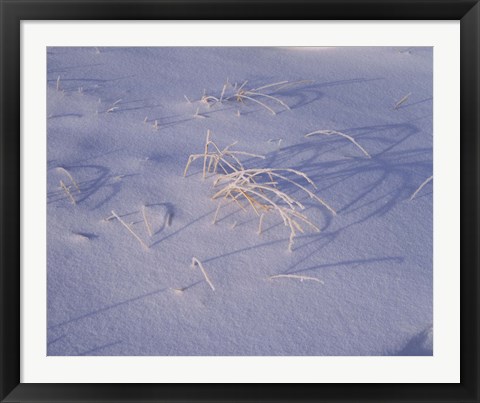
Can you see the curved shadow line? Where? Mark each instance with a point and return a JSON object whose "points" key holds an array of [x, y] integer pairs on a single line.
{"points": [[107, 308]]}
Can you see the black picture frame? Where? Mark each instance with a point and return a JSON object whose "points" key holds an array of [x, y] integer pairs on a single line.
{"points": [[14, 11]]}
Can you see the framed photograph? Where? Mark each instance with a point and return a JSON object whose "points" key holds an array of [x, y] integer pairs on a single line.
{"points": [[239, 201]]}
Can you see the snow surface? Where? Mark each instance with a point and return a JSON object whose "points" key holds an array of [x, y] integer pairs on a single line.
{"points": [[109, 295]]}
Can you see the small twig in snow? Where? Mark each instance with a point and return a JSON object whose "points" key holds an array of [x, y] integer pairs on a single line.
{"points": [[223, 92], [168, 219], [301, 278], [129, 229], [403, 100], [70, 177], [260, 222], [216, 212], [114, 106], [197, 262], [207, 143], [197, 115], [144, 214], [421, 187], [67, 191]]}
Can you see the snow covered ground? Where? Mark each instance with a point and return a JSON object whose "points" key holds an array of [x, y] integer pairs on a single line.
{"points": [[121, 129]]}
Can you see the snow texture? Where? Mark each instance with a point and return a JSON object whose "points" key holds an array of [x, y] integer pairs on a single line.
{"points": [[121, 126]]}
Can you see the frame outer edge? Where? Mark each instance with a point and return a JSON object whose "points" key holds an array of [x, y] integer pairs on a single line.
{"points": [[470, 192], [9, 249], [9, 199]]}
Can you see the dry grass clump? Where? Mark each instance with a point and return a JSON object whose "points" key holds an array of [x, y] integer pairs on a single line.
{"points": [[259, 95], [214, 159], [259, 187]]}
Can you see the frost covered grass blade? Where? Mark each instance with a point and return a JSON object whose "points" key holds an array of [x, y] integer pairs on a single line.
{"points": [[402, 101], [196, 262], [130, 230], [426, 181], [297, 277], [69, 177], [330, 132], [67, 191]]}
